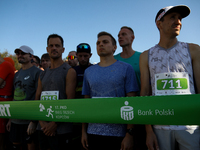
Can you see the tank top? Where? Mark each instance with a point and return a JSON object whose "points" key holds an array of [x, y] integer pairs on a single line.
{"points": [[173, 60], [55, 80]]}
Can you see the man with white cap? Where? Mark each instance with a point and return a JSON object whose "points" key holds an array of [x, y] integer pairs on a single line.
{"points": [[172, 58], [25, 85]]}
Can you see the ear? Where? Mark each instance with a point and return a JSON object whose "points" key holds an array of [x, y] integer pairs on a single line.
{"points": [[132, 37], [115, 47], [158, 24], [63, 50], [91, 55], [47, 49]]}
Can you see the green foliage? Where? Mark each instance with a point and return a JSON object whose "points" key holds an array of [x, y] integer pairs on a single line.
{"points": [[14, 57]]}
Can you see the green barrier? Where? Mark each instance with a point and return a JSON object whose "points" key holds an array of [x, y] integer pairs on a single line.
{"points": [[162, 110]]}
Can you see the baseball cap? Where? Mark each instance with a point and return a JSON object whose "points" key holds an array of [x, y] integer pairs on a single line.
{"points": [[25, 49], [182, 9], [83, 47]]}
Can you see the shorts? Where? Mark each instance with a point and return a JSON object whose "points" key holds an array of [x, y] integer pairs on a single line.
{"points": [[18, 134], [57, 142], [184, 139]]}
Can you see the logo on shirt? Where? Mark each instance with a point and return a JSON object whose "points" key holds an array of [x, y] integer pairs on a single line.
{"points": [[27, 77], [127, 112]]}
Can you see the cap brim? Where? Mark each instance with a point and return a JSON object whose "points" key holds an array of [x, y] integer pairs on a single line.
{"points": [[182, 9]]}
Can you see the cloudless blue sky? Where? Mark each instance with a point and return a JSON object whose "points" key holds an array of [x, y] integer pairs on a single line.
{"points": [[30, 22]]}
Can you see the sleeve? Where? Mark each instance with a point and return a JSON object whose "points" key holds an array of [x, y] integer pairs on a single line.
{"points": [[131, 84], [86, 86]]}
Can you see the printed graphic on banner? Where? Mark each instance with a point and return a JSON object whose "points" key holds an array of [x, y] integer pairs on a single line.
{"points": [[49, 95], [127, 112], [58, 111], [4, 110], [172, 83]]}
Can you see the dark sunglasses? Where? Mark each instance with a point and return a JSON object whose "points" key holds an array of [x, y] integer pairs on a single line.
{"points": [[71, 57], [83, 46], [20, 53]]}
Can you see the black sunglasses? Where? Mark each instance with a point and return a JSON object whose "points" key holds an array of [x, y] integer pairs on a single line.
{"points": [[20, 53]]}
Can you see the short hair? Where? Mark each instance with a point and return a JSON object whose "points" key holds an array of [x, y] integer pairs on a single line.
{"points": [[129, 28], [55, 36], [108, 34], [45, 56], [37, 59]]}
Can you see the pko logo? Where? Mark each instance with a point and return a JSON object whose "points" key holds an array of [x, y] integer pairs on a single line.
{"points": [[127, 112]]}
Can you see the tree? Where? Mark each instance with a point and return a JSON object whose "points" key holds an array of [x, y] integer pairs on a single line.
{"points": [[14, 57]]}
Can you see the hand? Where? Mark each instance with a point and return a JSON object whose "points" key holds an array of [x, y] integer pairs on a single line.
{"points": [[127, 143], [49, 129], [31, 128], [84, 140], [151, 141], [8, 125]]}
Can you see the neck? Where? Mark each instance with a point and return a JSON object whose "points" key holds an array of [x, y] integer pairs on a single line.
{"points": [[107, 61], [26, 66], [55, 63], [167, 41], [127, 52]]}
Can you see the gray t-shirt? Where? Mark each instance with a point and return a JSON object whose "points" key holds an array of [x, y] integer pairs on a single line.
{"points": [[25, 86], [55, 80]]}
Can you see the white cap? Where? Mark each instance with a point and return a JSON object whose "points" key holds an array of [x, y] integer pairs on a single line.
{"points": [[25, 49], [182, 9]]}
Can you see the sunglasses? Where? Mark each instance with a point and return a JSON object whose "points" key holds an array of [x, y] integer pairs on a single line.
{"points": [[20, 53], [83, 46], [71, 57]]}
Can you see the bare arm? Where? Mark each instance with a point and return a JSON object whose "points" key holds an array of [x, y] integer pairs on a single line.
{"points": [[39, 90], [84, 138], [71, 83], [195, 55], [151, 140]]}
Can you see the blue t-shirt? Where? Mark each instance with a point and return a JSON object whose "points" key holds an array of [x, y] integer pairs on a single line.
{"points": [[115, 80]]}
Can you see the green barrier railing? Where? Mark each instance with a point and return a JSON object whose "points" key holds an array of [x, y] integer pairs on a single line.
{"points": [[162, 110]]}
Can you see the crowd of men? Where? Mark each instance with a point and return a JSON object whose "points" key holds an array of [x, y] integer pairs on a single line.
{"points": [[129, 73]]}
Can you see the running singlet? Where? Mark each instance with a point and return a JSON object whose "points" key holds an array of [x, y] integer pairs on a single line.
{"points": [[171, 73]]}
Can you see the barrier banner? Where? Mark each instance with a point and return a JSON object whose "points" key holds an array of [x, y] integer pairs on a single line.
{"points": [[162, 110]]}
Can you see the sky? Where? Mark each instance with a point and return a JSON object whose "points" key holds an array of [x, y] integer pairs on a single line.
{"points": [[30, 22]]}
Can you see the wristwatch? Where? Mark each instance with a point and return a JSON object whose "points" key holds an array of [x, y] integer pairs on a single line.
{"points": [[130, 131]]}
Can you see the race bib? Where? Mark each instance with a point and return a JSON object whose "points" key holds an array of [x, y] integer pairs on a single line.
{"points": [[49, 95], [172, 83]]}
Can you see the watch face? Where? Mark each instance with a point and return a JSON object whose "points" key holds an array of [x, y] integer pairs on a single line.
{"points": [[130, 131]]}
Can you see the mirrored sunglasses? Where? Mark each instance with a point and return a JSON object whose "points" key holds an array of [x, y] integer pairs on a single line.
{"points": [[71, 57], [83, 46]]}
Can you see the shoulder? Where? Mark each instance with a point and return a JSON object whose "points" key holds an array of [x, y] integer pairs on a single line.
{"points": [[194, 50], [91, 68], [144, 54]]}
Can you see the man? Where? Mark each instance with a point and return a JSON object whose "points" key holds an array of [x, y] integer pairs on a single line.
{"points": [[6, 93], [108, 78], [25, 85], [72, 59], [172, 58], [57, 136], [83, 53], [128, 55], [45, 61], [36, 61]]}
